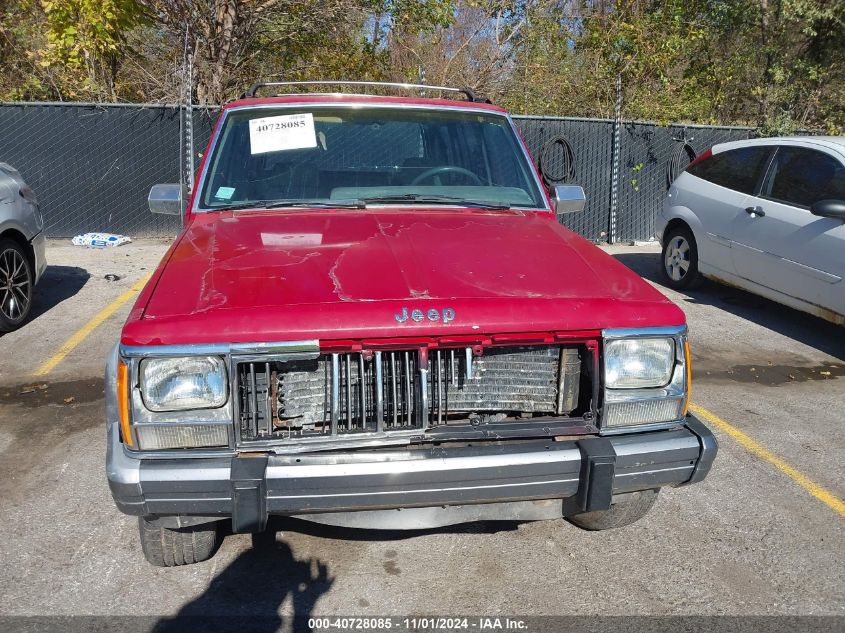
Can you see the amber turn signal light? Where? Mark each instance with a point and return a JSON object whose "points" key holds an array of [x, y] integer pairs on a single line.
{"points": [[123, 402], [688, 368]]}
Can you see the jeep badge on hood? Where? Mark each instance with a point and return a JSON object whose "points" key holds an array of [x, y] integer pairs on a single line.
{"points": [[432, 314]]}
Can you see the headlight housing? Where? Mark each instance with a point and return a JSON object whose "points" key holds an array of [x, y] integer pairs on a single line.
{"points": [[646, 378], [182, 384], [639, 363]]}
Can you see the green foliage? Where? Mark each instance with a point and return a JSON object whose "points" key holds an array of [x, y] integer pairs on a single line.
{"points": [[415, 15], [775, 64], [87, 38]]}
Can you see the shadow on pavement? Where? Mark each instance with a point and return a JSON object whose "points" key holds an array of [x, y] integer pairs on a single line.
{"points": [[800, 326], [310, 528], [57, 284], [247, 595]]}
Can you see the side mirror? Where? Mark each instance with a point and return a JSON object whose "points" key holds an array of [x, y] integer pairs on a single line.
{"points": [[167, 199], [829, 209], [569, 199]]}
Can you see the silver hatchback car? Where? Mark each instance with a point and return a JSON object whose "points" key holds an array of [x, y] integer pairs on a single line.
{"points": [[22, 260], [766, 215]]}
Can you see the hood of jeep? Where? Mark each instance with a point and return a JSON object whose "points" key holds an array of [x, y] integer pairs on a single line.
{"points": [[251, 276]]}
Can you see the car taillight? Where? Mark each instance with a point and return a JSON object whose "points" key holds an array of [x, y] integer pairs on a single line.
{"points": [[698, 159]]}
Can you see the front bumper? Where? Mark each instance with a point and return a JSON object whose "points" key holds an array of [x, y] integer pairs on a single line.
{"points": [[660, 223], [39, 248], [248, 488]]}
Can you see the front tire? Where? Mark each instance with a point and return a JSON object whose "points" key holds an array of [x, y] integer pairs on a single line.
{"points": [[16, 280], [622, 513], [166, 547], [679, 259]]}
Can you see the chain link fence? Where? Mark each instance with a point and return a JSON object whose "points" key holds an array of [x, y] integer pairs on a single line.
{"points": [[575, 151], [647, 155], [92, 165]]}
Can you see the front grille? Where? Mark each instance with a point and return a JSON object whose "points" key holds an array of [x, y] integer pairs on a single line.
{"points": [[385, 392]]}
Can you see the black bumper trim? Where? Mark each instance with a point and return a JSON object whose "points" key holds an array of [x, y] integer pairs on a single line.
{"points": [[249, 493], [709, 448], [598, 466]]}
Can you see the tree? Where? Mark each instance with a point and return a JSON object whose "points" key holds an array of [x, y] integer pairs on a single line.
{"points": [[88, 37], [471, 43], [225, 37], [776, 64]]}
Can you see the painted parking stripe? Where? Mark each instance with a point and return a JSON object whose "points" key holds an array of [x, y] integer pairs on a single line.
{"points": [[819, 492], [82, 333]]}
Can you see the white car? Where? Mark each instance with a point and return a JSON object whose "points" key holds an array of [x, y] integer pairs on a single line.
{"points": [[766, 215]]}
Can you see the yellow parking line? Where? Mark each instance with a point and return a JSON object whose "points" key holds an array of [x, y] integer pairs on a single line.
{"points": [[82, 333], [819, 492]]}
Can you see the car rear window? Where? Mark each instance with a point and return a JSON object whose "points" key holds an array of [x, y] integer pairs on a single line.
{"points": [[801, 177], [737, 169]]}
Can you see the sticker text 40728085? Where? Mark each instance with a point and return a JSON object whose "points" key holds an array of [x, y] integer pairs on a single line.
{"points": [[279, 133]]}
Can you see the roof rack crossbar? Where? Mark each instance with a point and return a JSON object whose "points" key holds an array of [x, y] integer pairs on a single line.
{"points": [[254, 88]]}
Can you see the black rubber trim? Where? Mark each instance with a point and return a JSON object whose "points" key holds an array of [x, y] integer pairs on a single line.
{"points": [[709, 448], [598, 465], [249, 494]]}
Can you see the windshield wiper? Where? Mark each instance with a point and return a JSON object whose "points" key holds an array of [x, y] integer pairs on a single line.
{"points": [[353, 203], [436, 199], [276, 204]]}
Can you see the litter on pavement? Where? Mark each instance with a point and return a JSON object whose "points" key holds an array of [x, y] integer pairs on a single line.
{"points": [[100, 240]]}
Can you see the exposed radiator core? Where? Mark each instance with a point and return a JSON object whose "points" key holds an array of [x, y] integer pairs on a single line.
{"points": [[339, 394]]}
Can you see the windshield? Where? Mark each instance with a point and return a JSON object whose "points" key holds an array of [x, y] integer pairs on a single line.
{"points": [[296, 156]]}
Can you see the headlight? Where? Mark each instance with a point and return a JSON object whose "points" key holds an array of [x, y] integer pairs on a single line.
{"points": [[178, 384], [646, 378], [638, 363]]}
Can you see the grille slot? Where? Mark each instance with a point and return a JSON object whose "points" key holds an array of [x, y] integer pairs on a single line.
{"points": [[371, 394], [382, 392]]}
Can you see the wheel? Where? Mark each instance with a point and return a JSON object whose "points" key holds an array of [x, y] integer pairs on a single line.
{"points": [[15, 285], [622, 513], [166, 547], [680, 259]]}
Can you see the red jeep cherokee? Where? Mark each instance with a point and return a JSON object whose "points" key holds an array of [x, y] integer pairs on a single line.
{"points": [[374, 319]]}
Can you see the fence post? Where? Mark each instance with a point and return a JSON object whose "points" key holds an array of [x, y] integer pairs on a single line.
{"points": [[614, 173], [189, 146], [187, 108]]}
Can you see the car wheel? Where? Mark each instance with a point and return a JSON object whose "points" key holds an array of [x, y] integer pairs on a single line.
{"points": [[167, 547], [622, 513], [15, 285], [679, 259]]}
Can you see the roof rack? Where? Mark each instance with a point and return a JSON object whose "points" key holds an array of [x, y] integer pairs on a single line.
{"points": [[470, 95]]}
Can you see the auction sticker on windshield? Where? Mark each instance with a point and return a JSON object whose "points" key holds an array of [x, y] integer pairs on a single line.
{"points": [[277, 133]]}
